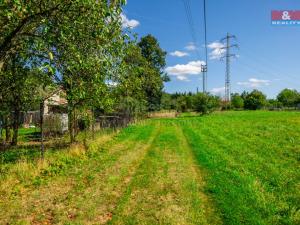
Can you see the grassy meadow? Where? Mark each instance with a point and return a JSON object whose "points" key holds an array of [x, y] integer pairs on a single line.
{"points": [[226, 168]]}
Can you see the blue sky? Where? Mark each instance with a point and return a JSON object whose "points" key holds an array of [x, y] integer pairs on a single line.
{"points": [[269, 56]]}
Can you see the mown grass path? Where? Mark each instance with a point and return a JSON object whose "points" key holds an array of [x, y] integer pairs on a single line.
{"points": [[85, 193], [167, 188], [232, 168]]}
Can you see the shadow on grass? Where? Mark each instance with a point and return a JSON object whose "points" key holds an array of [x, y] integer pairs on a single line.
{"points": [[29, 151], [190, 116], [35, 136]]}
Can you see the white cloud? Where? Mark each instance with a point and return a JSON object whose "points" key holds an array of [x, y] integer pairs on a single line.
{"points": [[218, 91], [127, 23], [217, 51], [193, 68], [215, 44], [254, 83], [181, 71], [182, 78], [191, 46], [179, 54]]}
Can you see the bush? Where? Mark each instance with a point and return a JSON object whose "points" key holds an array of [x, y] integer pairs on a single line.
{"points": [[274, 104], [237, 101], [206, 103], [289, 98], [255, 100], [181, 104]]}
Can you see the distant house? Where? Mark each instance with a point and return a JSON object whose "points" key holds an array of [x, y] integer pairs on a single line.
{"points": [[55, 112], [56, 103]]}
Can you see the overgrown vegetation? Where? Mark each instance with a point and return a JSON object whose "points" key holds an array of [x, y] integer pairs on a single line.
{"points": [[204, 103], [81, 48]]}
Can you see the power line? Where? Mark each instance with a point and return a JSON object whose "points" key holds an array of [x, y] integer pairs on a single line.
{"points": [[228, 57], [269, 65], [190, 20], [262, 71], [205, 42], [205, 30]]}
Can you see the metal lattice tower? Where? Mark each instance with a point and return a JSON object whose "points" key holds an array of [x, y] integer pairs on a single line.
{"points": [[228, 56]]}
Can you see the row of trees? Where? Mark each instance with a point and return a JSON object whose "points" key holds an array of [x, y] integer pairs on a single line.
{"points": [[257, 100], [206, 103], [80, 47], [183, 102]]}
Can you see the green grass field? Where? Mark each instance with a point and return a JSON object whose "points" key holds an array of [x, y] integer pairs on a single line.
{"points": [[227, 168]]}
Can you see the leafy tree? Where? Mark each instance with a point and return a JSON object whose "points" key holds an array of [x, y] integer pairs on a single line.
{"points": [[206, 103], [153, 53], [274, 104], [93, 55], [166, 101], [153, 73], [288, 97], [129, 84], [189, 101], [255, 100], [184, 102], [23, 22], [19, 91], [244, 95], [237, 101], [78, 42], [181, 104]]}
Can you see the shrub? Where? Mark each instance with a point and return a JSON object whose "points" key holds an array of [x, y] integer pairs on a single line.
{"points": [[274, 104], [206, 103], [288, 97], [237, 101], [255, 100]]}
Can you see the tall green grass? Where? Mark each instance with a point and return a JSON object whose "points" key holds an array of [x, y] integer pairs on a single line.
{"points": [[252, 160]]}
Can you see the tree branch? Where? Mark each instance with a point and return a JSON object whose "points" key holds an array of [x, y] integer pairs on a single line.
{"points": [[6, 45]]}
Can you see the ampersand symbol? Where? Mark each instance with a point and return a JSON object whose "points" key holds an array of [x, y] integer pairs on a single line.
{"points": [[285, 15]]}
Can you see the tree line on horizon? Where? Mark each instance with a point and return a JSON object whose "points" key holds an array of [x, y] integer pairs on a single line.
{"points": [[206, 102]]}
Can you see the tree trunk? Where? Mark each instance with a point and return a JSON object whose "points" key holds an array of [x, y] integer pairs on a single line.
{"points": [[1, 65], [93, 123], [42, 129], [7, 134], [16, 121]]}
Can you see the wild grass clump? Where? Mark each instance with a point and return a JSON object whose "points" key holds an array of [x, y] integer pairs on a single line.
{"points": [[23, 166]]}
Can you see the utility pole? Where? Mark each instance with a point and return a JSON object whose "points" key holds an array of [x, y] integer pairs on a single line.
{"points": [[228, 56], [204, 80], [204, 67]]}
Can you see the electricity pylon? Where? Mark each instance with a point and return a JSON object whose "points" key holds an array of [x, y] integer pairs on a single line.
{"points": [[228, 56]]}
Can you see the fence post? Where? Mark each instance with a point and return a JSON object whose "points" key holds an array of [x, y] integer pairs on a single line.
{"points": [[42, 129]]}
